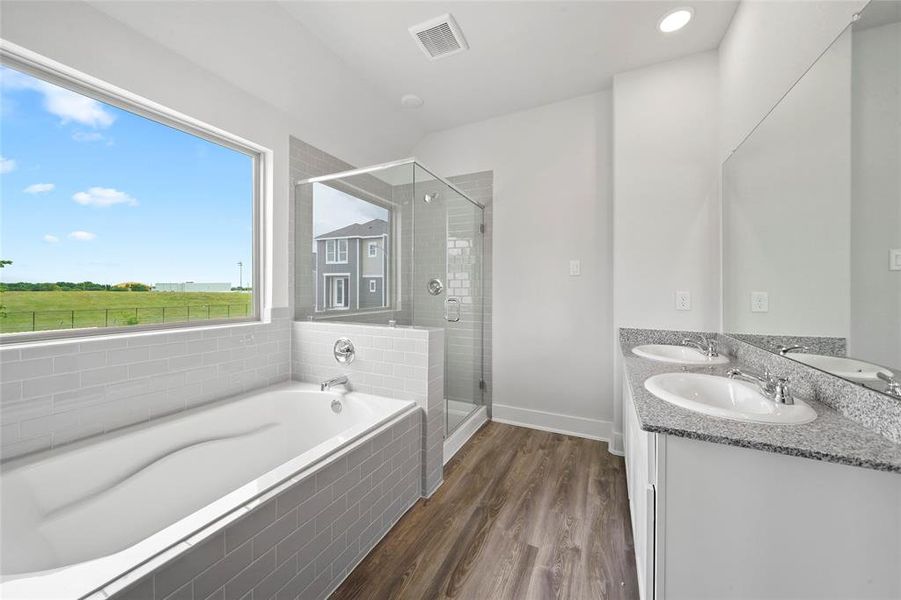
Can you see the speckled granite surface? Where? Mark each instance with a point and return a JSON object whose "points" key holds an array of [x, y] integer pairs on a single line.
{"points": [[874, 410], [827, 346], [832, 437]]}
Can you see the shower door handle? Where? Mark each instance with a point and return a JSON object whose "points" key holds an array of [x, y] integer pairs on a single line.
{"points": [[449, 315]]}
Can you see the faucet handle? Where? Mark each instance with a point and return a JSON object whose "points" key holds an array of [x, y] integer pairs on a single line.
{"points": [[782, 391], [892, 388]]}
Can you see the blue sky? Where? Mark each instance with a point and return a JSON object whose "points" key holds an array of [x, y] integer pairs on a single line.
{"points": [[92, 192]]}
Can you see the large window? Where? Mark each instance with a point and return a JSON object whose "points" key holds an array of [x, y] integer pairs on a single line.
{"points": [[351, 249], [117, 215]]}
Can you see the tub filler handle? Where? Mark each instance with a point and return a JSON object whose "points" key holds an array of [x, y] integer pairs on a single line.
{"points": [[344, 351]]}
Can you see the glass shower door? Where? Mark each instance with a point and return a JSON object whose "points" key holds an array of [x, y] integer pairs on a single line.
{"points": [[447, 286]]}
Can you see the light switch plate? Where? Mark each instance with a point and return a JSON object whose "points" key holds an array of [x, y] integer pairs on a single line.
{"points": [[894, 259], [683, 300], [575, 267], [760, 302]]}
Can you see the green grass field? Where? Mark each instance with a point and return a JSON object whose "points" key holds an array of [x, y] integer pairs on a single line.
{"points": [[42, 311]]}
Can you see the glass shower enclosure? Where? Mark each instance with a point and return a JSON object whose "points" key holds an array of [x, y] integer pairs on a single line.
{"points": [[396, 245]]}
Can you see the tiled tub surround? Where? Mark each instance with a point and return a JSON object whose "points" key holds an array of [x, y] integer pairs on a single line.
{"points": [[832, 437], [53, 393], [406, 363], [309, 493]]}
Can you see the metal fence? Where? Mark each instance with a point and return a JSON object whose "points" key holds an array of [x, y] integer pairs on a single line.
{"points": [[47, 320]]}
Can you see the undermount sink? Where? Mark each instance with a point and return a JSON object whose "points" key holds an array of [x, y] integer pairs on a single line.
{"points": [[727, 398], [677, 354], [849, 368]]}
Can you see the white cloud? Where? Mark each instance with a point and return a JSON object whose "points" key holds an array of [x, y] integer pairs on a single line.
{"points": [[52, 239], [82, 236], [103, 197], [7, 164], [39, 188], [65, 104]]}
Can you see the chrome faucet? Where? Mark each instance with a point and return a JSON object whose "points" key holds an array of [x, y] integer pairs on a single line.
{"points": [[327, 385], [774, 388], [706, 346], [893, 388], [783, 350]]}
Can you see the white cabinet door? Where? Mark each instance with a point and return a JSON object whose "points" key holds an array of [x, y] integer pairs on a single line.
{"points": [[641, 474]]}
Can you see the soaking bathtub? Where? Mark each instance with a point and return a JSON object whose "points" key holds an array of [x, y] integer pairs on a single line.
{"points": [[79, 517]]}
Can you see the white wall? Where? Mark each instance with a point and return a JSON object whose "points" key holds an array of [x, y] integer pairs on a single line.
{"points": [[767, 48], [552, 332], [666, 200], [665, 190]]}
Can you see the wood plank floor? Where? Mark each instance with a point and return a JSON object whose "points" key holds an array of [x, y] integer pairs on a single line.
{"points": [[522, 514]]}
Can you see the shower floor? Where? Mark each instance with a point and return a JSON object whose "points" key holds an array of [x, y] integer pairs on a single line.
{"points": [[457, 411]]}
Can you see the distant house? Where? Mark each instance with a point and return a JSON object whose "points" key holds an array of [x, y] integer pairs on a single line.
{"points": [[192, 286], [351, 265]]}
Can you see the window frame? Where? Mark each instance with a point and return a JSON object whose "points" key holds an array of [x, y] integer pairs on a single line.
{"points": [[373, 288], [335, 251], [51, 71], [372, 249]]}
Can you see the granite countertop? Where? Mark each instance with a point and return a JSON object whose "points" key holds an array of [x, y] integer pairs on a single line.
{"points": [[831, 437]]}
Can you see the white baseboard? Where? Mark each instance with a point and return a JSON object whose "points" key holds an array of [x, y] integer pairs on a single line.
{"points": [[463, 432], [615, 446], [593, 429]]}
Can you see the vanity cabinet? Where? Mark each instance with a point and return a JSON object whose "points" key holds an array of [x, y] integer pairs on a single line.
{"points": [[718, 521]]}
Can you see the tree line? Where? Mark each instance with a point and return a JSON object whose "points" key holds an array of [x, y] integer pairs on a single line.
{"points": [[69, 286]]}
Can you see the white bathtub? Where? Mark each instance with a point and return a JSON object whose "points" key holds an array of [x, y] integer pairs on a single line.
{"points": [[77, 518]]}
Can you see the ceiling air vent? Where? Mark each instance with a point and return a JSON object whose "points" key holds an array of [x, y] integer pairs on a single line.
{"points": [[439, 37]]}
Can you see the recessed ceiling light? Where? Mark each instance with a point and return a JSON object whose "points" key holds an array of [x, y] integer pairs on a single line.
{"points": [[675, 20], [411, 101]]}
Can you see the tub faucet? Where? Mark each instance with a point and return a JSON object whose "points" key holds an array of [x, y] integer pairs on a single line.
{"points": [[783, 350], [328, 384], [774, 388], [706, 346], [893, 388]]}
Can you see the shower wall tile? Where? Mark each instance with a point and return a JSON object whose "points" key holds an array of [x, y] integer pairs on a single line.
{"points": [[397, 362], [305, 540], [54, 393]]}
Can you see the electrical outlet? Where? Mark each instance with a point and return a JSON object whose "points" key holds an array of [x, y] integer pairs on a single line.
{"points": [[894, 259], [575, 267], [760, 302], [683, 300]]}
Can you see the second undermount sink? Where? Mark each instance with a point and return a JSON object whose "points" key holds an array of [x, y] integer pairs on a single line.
{"points": [[848, 368], [677, 354], [727, 398]]}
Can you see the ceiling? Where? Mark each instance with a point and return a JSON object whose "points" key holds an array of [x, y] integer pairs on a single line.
{"points": [[360, 54], [522, 54]]}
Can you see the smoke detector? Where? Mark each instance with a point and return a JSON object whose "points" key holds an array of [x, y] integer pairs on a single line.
{"points": [[439, 37]]}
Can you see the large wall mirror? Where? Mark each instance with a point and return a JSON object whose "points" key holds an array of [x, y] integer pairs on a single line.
{"points": [[812, 213]]}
